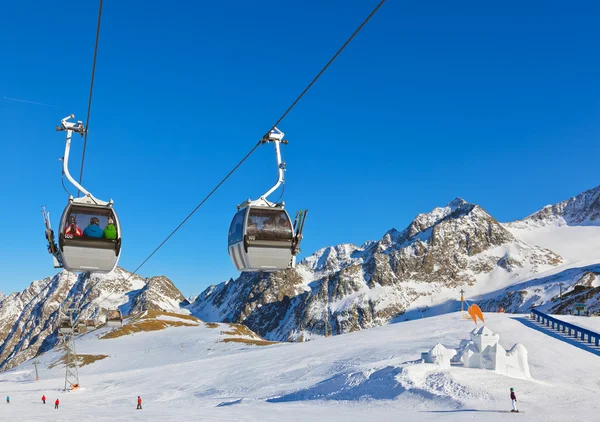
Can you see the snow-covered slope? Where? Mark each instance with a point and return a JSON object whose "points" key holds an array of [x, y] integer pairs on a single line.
{"points": [[189, 373]]}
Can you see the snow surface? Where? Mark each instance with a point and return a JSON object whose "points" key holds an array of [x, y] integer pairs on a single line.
{"points": [[573, 243], [187, 373]]}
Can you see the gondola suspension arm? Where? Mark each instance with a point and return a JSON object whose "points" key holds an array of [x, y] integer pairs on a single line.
{"points": [[276, 136], [71, 127]]}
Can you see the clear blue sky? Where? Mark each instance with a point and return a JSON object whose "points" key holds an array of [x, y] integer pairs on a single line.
{"points": [[496, 103]]}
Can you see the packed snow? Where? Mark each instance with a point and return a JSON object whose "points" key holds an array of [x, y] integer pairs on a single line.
{"points": [[190, 373]]}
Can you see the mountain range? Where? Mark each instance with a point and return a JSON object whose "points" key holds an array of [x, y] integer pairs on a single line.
{"points": [[549, 259]]}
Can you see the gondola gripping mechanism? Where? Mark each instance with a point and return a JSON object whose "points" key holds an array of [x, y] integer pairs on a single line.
{"points": [[71, 127]]}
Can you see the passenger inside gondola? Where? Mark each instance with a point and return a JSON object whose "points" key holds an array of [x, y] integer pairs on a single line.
{"points": [[72, 230], [98, 225], [110, 231], [93, 229]]}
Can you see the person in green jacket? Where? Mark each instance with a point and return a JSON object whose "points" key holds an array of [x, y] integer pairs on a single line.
{"points": [[110, 231]]}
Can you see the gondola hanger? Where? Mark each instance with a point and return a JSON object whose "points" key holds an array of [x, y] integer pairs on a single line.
{"points": [[261, 234]]}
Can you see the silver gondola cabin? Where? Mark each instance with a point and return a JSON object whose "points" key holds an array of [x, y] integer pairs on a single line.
{"points": [[261, 235]]}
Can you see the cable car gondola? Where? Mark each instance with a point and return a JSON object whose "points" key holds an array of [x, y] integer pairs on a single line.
{"points": [[261, 234], [65, 321], [90, 233], [65, 326], [114, 318]]}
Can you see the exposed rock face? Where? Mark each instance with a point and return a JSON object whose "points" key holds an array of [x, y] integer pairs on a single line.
{"points": [[158, 294], [28, 319], [582, 209], [347, 288]]}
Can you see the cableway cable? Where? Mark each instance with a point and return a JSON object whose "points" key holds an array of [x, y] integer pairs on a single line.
{"points": [[289, 109], [368, 18], [87, 120]]}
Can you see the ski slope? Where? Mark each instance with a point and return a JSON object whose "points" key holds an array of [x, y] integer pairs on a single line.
{"points": [[189, 373]]}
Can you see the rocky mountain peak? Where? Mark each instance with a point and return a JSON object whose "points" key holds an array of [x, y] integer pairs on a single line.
{"points": [[454, 209], [331, 258], [583, 209], [159, 293]]}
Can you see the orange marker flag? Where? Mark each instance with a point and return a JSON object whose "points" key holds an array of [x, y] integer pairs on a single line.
{"points": [[470, 311], [477, 312]]}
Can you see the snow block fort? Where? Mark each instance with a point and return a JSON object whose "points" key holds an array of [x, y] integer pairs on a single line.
{"points": [[483, 351]]}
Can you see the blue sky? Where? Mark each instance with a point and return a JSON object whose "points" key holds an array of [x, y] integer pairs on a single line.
{"points": [[495, 103]]}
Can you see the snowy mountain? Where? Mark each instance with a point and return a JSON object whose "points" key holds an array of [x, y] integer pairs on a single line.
{"points": [[572, 229], [581, 210], [347, 288], [28, 319], [405, 275]]}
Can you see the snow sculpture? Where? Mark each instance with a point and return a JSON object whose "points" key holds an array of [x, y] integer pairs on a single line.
{"points": [[439, 355], [516, 362], [482, 351]]}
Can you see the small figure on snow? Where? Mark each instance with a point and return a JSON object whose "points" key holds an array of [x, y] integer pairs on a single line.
{"points": [[513, 397], [7, 400], [56, 403], [44, 398], [139, 406]]}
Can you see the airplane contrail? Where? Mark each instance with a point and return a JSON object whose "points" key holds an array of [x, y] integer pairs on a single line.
{"points": [[32, 102]]}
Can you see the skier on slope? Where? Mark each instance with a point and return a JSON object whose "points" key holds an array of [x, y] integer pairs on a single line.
{"points": [[7, 400], [56, 403], [139, 406], [513, 397], [44, 398]]}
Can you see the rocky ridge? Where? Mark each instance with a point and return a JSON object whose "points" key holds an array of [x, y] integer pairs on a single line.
{"points": [[28, 319], [583, 209]]}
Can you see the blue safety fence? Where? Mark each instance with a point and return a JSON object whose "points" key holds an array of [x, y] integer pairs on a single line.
{"points": [[566, 328]]}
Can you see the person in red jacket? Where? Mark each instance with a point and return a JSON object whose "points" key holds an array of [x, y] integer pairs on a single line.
{"points": [[513, 397], [56, 403], [72, 230], [139, 406], [44, 398]]}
